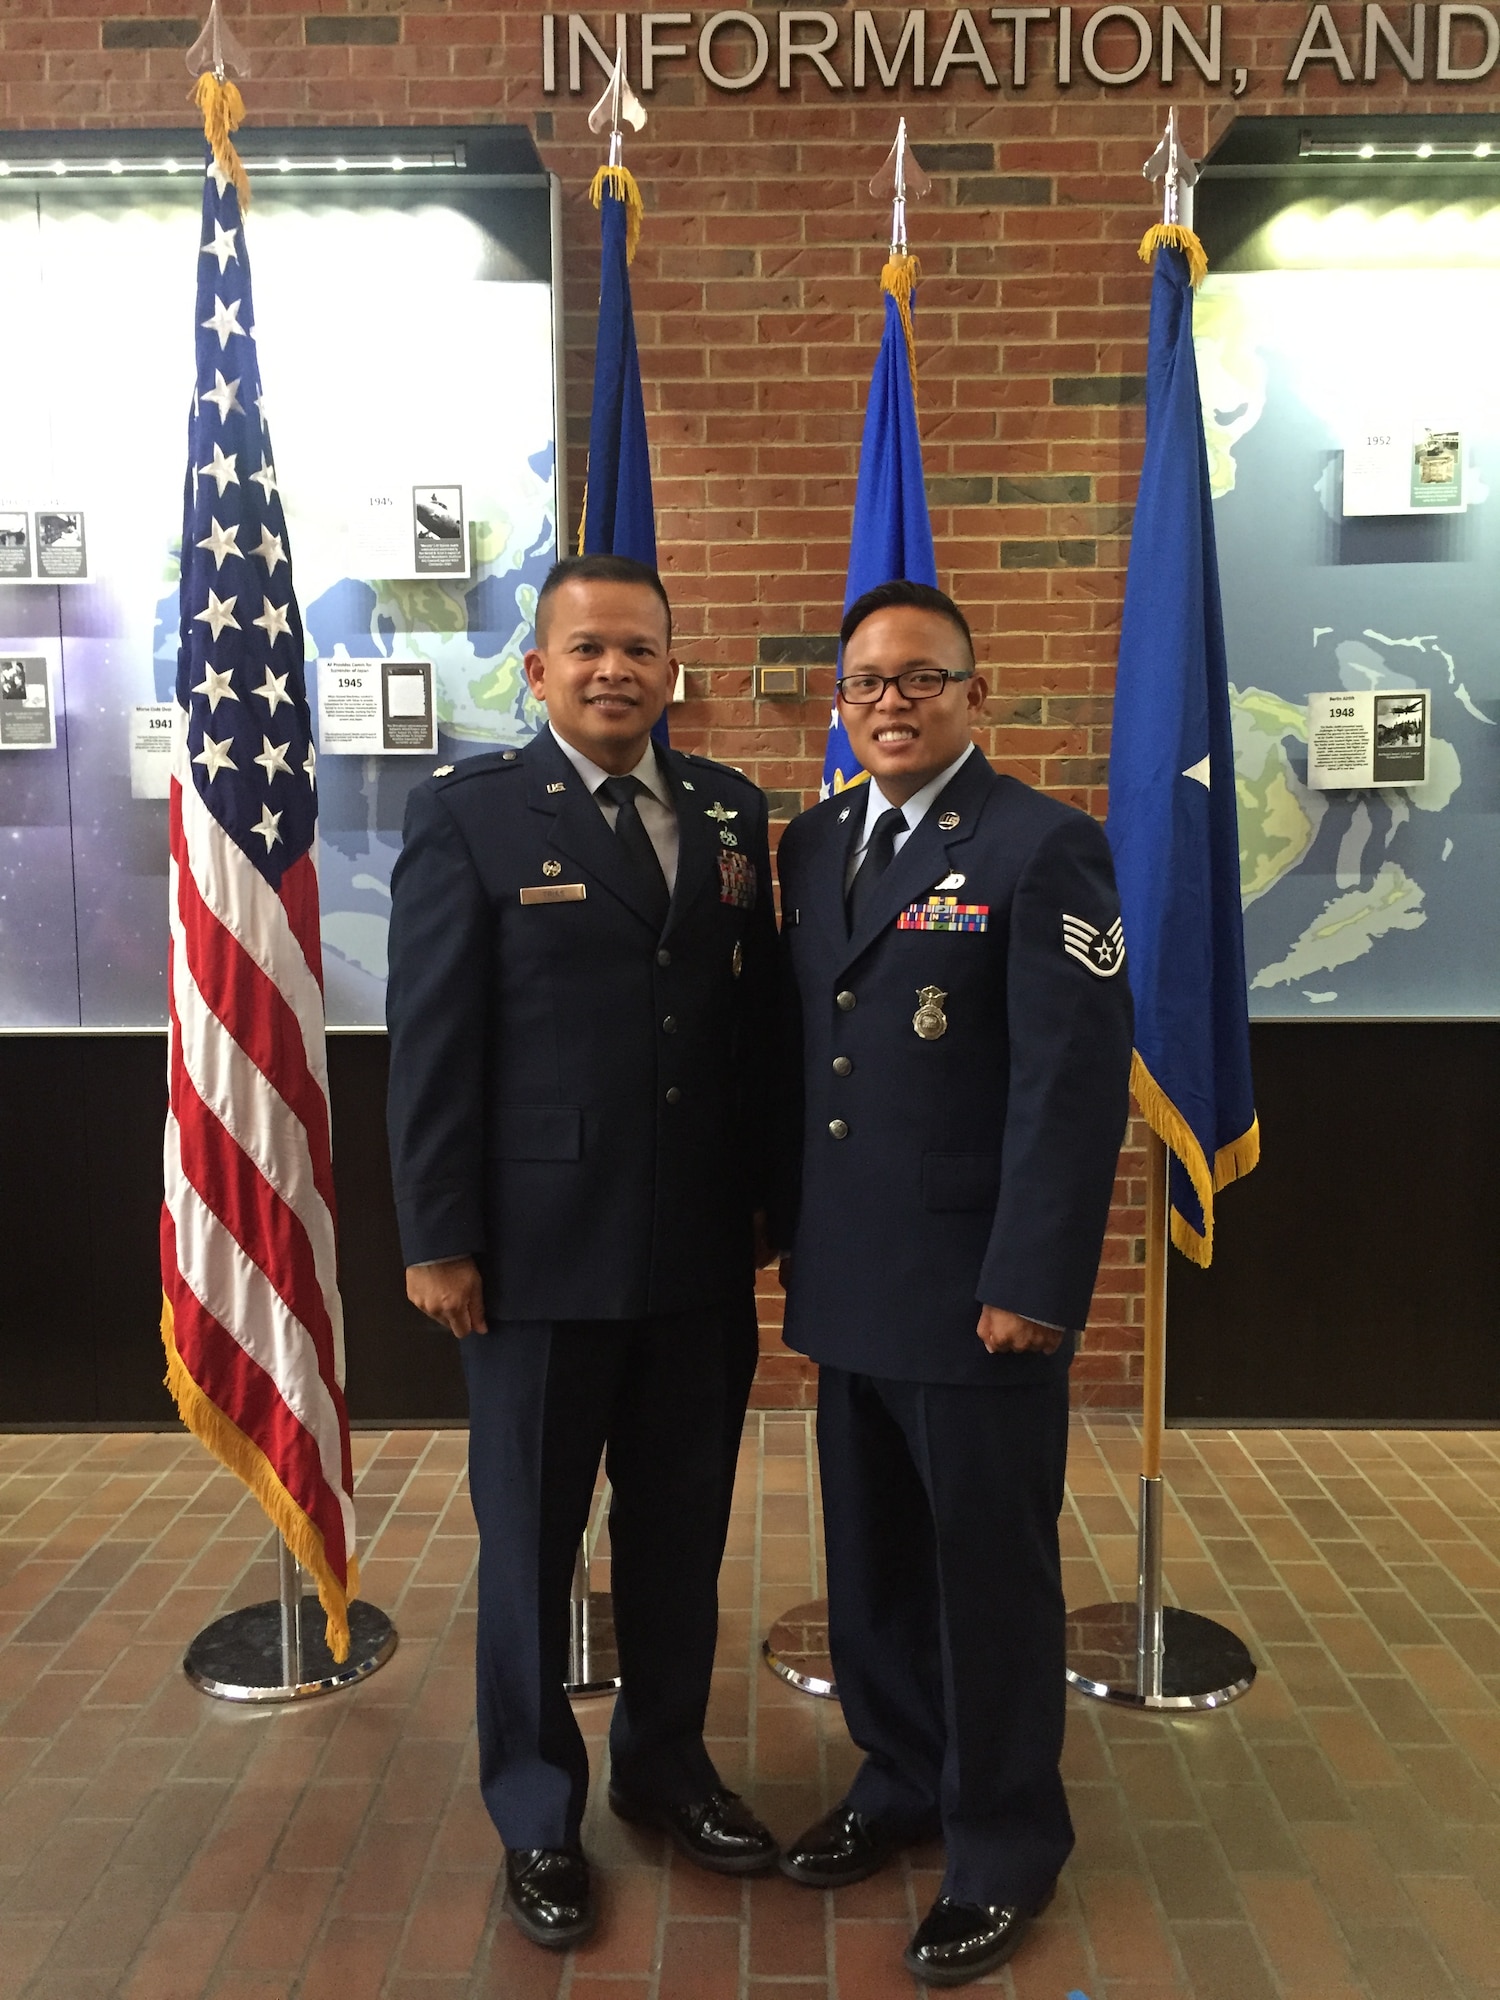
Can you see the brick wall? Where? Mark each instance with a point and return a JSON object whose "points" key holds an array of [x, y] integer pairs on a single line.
{"points": [[758, 311]]}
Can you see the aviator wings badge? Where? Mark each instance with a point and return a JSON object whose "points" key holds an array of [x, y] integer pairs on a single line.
{"points": [[1103, 952]]}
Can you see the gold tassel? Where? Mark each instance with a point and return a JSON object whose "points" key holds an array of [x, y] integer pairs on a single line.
{"points": [[223, 112], [621, 183], [583, 515], [1172, 236], [1230, 1162], [899, 276], [248, 1463]]}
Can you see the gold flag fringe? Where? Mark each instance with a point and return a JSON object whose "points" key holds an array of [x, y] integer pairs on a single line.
{"points": [[248, 1463], [899, 277], [1231, 1162], [223, 112], [621, 183], [1172, 236]]}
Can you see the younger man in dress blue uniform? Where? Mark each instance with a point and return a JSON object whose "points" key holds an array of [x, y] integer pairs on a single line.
{"points": [[582, 965], [965, 1029]]}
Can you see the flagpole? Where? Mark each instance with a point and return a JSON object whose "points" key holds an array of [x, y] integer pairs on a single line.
{"points": [[1147, 1654], [267, 1652], [796, 1647]]}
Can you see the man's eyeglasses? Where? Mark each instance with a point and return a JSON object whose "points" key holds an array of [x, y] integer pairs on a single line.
{"points": [[917, 684]]}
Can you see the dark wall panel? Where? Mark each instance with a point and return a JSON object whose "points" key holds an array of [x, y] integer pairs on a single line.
{"points": [[1356, 1280], [80, 1187], [1356, 1273]]}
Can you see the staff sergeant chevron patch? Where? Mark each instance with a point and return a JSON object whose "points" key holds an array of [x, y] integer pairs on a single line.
{"points": [[1103, 952]]}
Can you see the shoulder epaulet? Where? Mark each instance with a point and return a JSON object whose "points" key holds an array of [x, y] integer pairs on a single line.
{"points": [[477, 767], [719, 770]]}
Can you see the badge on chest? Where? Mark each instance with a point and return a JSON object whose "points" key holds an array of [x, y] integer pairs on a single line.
{"points": [[944, 913], [737, 884]]}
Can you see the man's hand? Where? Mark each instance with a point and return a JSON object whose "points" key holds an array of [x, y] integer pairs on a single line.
{"points": [[1007, 1333], [451, 1293]]}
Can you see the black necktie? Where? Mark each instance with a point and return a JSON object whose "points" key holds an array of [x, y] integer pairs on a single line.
{"points": [[878, 856], [633, 837]]}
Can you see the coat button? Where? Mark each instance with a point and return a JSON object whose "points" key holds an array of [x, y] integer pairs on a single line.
{"points": [[842, 1065], [669, 1025], [838, 1128], [664, 958], [674, 1095], [844, 1000]]}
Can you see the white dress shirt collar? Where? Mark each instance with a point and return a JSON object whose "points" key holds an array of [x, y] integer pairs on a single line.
{"points": [[919, 802], [648, 770]]}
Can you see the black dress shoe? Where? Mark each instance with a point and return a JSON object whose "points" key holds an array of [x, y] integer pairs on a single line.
{"points": [[843, 1847], [957, 1942], [719, 1832], [550, 1895]]}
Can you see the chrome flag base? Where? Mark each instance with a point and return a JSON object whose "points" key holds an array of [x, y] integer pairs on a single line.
{"points": [[796, 1647], [1202, 1665], [276, 1651]]}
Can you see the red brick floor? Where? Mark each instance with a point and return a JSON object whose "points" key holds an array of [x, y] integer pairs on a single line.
{"points": [[1335, 1836]]}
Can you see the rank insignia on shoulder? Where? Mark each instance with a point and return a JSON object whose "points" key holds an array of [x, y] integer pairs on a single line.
{"points": [[737, 883], [944, 913], [1103, 952], [443, 771]]}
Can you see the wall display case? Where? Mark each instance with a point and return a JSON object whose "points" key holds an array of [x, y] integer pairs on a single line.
{"points": [[408, 338], [1354, 285]]}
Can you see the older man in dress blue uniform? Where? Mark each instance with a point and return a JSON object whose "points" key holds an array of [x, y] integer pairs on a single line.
{"points": [[965, 1031], [581, 1008]]}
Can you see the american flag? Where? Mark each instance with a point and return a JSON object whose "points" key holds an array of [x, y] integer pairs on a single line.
{"points": [[252, 1321]]}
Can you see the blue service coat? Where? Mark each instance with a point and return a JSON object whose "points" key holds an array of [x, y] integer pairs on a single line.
{"points": [[973, 1165], [574, 1099]]}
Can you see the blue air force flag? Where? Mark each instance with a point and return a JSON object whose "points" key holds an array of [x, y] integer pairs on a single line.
{"points": [[1172, 821], [892, 533], [619, 515], [619, 518]]}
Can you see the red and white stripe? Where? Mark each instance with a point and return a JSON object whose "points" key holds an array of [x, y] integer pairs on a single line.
{"points": [[248, 1244]]}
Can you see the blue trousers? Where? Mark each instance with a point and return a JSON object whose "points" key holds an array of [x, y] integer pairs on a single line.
{"points": [[663, 1400], [946, 1619]]}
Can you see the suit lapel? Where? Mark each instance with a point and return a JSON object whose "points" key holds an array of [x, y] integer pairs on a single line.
{"points": [[928, 854], [821, 897], [579, 828], [698, 843]]}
